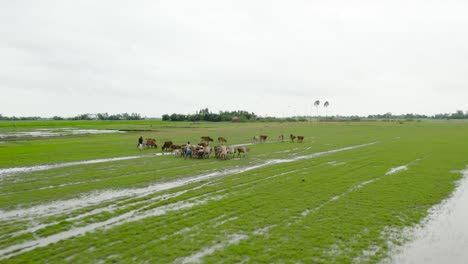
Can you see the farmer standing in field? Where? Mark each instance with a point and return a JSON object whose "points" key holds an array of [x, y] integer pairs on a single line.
{"points": [[140, 143], [188, 150]]}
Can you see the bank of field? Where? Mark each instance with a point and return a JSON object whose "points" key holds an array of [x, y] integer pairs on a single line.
{"points": [[343, 195]]}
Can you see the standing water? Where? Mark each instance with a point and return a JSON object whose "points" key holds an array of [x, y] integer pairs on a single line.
{"points": [[444, 237]]}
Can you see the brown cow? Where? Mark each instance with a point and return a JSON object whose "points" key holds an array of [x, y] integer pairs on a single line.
{"points": [[173, 146], [199, 151], [222, 140], [300, 139], [206, 139], [151, 143], [263, 138], [242, 149], [167, 145], [292, 137]]}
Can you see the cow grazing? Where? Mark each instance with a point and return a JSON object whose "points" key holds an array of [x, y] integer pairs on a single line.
{"points": [[207, 152], [231, 151], [300, 139], [151, 143], [173, 146], [222, 140], [207, 139], [199, 151], [203, 144], [217, 150], [166, 145], [292, 137], [223, 153], [177, 152], [242, 149], [260, 138], [281, 138]]}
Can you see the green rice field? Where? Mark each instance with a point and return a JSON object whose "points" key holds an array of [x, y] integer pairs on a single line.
{"points": [[69, 194]]}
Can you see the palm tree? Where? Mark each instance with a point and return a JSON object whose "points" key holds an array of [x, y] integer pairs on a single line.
{"points": [[326, 104], [317, 104]]}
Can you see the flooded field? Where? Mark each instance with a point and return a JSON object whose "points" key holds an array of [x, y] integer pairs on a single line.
{"points": [[443, 236], [347, 196], [56, 132]]}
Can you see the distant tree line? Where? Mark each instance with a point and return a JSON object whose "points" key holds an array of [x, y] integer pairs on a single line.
{"points": [[392, 116], [99, 116], [457, 115], [206, 115], [237, 116]]}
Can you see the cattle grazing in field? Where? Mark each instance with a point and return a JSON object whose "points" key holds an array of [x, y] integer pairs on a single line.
{"points": [[292, 137], [217, 151], [166, 145], [231, 151], [223, 153], [242, 149], [260, 138], [203, 144], [199, 151], [300, 139], [206, 152], [281, 138], [222, 140], [173, 146], [177, 152], [151, 143], [206, 139]]}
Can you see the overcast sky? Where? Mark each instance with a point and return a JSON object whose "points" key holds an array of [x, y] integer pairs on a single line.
{"points": [[269, 57]]}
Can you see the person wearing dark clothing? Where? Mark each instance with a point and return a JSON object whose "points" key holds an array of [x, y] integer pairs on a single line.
{"points": [[140, 142]]}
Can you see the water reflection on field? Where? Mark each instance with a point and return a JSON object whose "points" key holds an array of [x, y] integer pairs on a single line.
{"points": [[444, 236], [56, 132]]}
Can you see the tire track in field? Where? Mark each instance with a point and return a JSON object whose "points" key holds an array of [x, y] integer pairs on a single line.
{"points": [[394, 170], [109, 195], [102, 179], [110, 208], [6, 172], [60, 207], [117, 219], [359, 186], [232, 239], [131, 216]]}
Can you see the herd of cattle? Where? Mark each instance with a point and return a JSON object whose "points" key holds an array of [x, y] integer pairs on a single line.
{"points": [[204, 150]]}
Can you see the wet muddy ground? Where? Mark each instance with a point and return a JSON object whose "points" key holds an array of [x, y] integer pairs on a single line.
{"points": [[443, 236], [140, 209], [57, 133]]}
